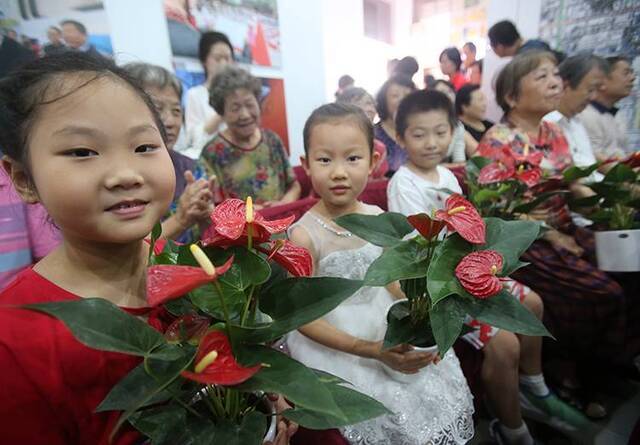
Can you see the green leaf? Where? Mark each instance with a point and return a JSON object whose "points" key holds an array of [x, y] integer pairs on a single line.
{"points": [[160, 424], [163, 373], [506, 312], [447, 318], [386, 229], [136, 385], [295, 302], [354, 407], [399, 328], [441, 279], [206, 298], [288, 377], [402, 261], [511, 239], [250, 431], [486, 194], [541, 198], [574, 173], [102, 325], [475, 164], [620, 173], [589, 201]]}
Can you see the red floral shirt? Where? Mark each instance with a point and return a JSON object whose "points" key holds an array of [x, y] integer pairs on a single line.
{"points": [[550, 140]]}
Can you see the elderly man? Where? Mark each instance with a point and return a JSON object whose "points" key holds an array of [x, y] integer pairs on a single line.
{"points": [[582, 75], [74, 34], [607, 132]]}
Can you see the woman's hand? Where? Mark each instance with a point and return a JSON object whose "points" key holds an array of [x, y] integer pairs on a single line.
{"points": [[561, 240], [286, 428], [404, 359], [195, 203]]}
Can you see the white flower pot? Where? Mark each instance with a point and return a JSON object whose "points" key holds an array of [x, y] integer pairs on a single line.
{"points": [[401, 376], [618, 250]]}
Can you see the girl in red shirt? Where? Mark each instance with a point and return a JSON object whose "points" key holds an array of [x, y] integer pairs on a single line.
{"points": [[86, 142]]}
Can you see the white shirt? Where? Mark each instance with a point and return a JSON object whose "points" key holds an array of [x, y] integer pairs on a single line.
{"points": [[409, 194], [456, 150], [197, 113], [608, 133], [578, 139]]}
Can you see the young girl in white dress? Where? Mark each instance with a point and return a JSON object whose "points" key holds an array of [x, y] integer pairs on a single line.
{"points": [[436, 406]]}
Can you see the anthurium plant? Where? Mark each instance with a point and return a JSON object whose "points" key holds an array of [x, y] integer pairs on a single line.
{"points": [[206, 370], [506, 184], [447, 280], [615, 203]]}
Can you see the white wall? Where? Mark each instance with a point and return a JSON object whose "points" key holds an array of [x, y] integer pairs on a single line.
{"points": [[139, 31]]}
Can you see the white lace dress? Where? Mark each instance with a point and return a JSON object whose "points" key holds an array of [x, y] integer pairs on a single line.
{"points": [[436, 408]]}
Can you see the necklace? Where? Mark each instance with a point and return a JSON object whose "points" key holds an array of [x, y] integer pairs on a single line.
{"points": [[324, 225]]}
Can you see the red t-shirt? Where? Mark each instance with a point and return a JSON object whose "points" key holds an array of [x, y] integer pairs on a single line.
{"points": [[458, 80], [50, 383]]}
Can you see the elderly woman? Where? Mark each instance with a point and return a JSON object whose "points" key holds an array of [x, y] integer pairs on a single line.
{"points": [[246, 159], [585, 308], [192, 201], [391, 93]]}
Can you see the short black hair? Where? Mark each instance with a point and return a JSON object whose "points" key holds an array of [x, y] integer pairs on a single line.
{"points": [[352, 94], [452, 54], [613, 60], [463, 96], [573, 69], [503, 33], [407, 65], [345, 80], [337, 113], [444, 82], [76, 24], [423, 101], [471, 46], [381, 97], [25, 90], [207, 40]]}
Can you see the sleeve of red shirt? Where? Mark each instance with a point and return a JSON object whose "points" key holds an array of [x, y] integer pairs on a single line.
{"points": [[50, 384]]}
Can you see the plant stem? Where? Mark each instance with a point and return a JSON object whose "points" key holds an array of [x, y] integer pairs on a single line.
{"points": [[245, 309], [224, 309], [249, 236]]}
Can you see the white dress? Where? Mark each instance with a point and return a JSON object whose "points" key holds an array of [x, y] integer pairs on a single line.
{"points": [[436, 408]]}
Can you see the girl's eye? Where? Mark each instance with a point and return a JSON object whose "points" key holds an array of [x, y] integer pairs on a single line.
{"points": [[442, 133], [146, 148], [324, 160], [354, 158], [80, 153]]}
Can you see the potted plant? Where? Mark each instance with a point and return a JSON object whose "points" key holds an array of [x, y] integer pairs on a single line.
{"points": [[614, 209], [447, 280], [509, 184], [206, 378]]}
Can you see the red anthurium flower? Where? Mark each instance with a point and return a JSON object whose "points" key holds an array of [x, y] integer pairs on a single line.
{"points": [[167, 282], [509, 165], [297, 260], [190, 327], [427, 227], [633, 160], [215, 364], [495, 172], [477, 273], [231, 221], [461, 216]]}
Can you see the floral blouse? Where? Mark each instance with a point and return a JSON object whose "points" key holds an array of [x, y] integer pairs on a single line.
{"points": [[262, 172], [550, 141]]}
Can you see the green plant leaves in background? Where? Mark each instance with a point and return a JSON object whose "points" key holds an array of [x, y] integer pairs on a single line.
{"points": [[385, 230]]}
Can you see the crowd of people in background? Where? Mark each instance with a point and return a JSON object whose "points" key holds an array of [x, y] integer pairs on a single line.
{"points": [[413, 141]]}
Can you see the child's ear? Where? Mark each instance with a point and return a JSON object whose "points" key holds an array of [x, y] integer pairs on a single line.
{"points": [[375, 158], [20, 179], [304, 161]]}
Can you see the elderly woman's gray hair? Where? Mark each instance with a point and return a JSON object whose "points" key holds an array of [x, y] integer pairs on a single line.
{"points": [[230, 79], [153, 76]]}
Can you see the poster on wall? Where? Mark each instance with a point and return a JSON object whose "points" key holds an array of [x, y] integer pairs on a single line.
{"points": [[606, 27], [43, 26], [253, 30]]}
